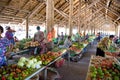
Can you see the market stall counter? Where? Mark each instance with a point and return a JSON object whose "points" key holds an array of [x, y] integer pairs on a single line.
{"points": [[102, 68]]}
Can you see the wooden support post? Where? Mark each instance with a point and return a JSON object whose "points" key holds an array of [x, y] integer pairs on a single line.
{"points": [[94, 31], [79, 17], [70, 17], [116, 30], [27, 27], [49, 15], [57, 29], [66, 28]]}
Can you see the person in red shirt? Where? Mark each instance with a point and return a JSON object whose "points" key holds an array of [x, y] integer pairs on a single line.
{"points": [[51, 35]]}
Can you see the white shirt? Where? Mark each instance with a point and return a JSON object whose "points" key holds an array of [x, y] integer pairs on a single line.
{"points": [[67, 43]]}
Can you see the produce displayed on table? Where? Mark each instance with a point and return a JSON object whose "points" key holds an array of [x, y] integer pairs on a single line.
{"points": [[29, 63], [31, 44], [21, 44], [48, 57], [14, 72], [112, 54], [101, 68], [77, 47], [27, 66], [113, 49]]}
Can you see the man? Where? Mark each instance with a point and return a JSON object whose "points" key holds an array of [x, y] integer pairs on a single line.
{"points": [[62, 36]]}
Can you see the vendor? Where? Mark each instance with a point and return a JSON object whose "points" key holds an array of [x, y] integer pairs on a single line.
{"points": [[112, 46], [68, 42], [9, 35], [111, 42], [39, 36], [102, 47], [51, 35], [5, 48]]}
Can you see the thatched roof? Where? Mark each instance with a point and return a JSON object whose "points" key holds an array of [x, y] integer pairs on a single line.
{"points": [[92, 11]]}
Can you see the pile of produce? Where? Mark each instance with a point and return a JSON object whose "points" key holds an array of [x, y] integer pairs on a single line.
{"points": [[31, 44], [103, 69], [112, 54], [77, 47], [112, 49], [21, 44], [48, 57], [29, 63], [57, 49], [61, 42], [14, 72]]}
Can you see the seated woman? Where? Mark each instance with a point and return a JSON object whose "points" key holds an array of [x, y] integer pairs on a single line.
{"points": [[102, 47], [68, 42], [5, 48]]}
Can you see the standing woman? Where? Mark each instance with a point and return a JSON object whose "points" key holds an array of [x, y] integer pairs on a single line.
{"points": [[9, 35], [39, 36], [102, 47], [5, 48]]}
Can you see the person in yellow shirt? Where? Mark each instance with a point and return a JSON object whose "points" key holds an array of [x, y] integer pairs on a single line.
{"points": [[102, 47]]}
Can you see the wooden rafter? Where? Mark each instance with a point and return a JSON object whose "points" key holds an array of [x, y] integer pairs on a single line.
{"points": [[35, 10], [62, 13], [111, 10], [66, 9], [9, 16], [11, 7], [89, 6], [23, 6], [7, 4]]}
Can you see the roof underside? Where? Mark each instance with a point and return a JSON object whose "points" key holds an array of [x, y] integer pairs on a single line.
{"points": [[92, 11]]}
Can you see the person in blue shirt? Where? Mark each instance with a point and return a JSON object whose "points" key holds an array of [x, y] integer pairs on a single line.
{"points": [[5, 48]]}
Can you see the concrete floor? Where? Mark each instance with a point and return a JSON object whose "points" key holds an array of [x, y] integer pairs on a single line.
{"points": [[77, 70]]}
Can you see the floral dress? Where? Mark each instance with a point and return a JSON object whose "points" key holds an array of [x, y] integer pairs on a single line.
{"points": [[4, 43]]}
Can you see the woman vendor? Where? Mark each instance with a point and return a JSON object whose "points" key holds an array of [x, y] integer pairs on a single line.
{"points": [[9, 35], [5, 48], [102, 47], [39, 36]]}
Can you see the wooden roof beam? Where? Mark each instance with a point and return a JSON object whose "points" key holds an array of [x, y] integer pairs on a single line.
{"points": [[92, 14], [95, 18], [7, 4], [23, 6], [109, 9], [11, 7], [9, 16], [62, 13], [66, 8], [117, 19], [35, 10], [96, 1], [112, 19], [83, 21], [107, 5]]}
